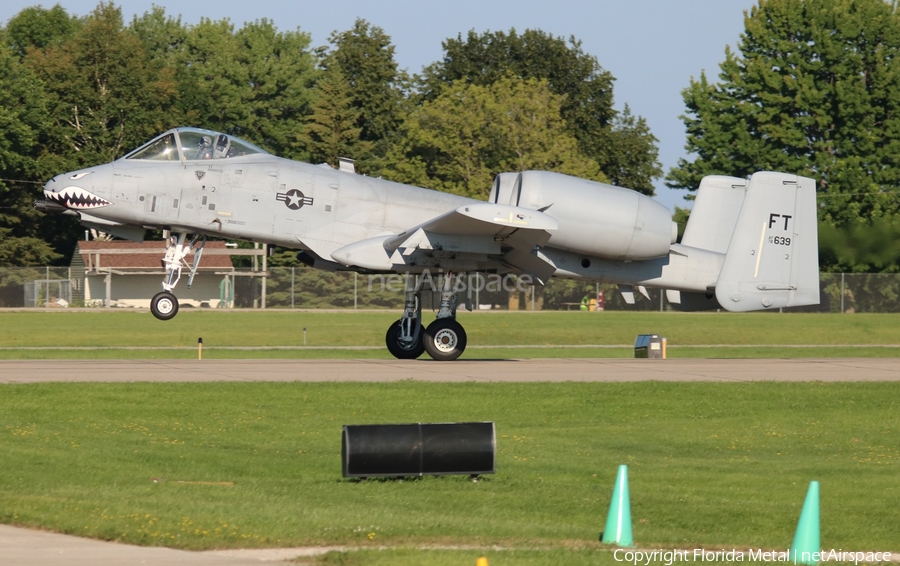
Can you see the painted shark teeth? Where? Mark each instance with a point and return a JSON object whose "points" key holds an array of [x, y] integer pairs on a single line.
{"points": [[76, 198]]}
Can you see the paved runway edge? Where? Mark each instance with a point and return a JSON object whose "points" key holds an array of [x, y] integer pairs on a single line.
{"points": [[531, 370], [27, 547]]}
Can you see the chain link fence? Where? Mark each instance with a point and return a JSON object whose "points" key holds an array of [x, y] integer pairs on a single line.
{"points": [[307, 288], [36, 287]]}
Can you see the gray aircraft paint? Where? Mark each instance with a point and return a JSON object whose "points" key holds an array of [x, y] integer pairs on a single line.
{"points": [[750, 244]]}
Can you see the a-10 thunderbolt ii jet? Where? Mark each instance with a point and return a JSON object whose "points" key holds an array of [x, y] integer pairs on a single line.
{"points": [[750, 244]]}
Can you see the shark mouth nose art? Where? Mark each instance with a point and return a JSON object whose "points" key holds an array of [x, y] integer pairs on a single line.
{"points": [[76, 198]]}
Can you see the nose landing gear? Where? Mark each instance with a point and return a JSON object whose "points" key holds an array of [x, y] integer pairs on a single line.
{"points": [[164, 305]]}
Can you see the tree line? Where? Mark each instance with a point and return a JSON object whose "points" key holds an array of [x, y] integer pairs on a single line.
{"points": [[813, 88]]}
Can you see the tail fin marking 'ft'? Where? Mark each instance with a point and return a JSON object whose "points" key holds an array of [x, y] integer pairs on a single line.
{"points": [[772, 260]]}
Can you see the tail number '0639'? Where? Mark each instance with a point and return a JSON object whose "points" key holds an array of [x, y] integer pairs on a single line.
{"points": [[779, 240]]}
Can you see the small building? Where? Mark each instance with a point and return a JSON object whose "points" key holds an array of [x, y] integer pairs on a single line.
{"points": [[127, 274]]}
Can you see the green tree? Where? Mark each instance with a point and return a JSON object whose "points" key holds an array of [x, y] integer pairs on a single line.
{"points": [[860, 247], [163, 38], [468, 134], [332, 126], [681, 218], [24, 251], [23, 113], [253, 83], [24, 164], [814, 90], [629, 156], [366, 58], [39, 28], [83, 98], [105, 95], [621, 144]]}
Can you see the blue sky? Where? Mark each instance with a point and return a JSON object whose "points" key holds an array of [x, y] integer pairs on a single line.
{"points": [[652, 47]]}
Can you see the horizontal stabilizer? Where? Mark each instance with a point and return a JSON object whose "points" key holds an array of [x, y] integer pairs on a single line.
{"points": [[627, 294], [691, 301]]}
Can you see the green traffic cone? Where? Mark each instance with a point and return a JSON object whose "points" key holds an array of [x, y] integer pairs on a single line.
{"points": [[806, 546], [618, 521]]}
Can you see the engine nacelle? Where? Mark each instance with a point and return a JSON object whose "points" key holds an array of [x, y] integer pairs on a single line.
{"points": [[595, 219]]}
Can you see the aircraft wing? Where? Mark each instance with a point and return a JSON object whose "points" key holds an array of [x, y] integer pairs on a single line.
{"points": [[489, 234]]}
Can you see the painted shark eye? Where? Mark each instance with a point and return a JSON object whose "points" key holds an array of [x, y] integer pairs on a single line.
{"points": [[77, 176]]}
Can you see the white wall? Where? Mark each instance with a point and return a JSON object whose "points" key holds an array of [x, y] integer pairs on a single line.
{"points": [[137, 290]]}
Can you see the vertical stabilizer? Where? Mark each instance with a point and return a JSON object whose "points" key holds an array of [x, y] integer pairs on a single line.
{"points": [[710, 227], [772, 259], [715, 213]]}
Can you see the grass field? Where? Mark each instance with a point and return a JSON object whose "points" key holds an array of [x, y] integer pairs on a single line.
{"points": [[711, 465], [116, 334]]}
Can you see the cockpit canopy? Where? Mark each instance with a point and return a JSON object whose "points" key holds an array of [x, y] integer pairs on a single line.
{"points": [[193, 144]]}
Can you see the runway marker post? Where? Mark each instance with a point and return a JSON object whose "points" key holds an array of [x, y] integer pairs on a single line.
{"points": [[199, 348]]}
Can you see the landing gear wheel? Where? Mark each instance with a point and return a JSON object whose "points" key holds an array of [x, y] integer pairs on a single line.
{"points": [[164, 305], [445, 339], [403, 350]]}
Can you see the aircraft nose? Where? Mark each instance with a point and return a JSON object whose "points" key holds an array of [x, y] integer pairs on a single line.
{"points": [[67, 190], [50, 186]]}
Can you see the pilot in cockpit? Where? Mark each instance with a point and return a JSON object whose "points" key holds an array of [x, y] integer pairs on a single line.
{"points": [[205, 149]]}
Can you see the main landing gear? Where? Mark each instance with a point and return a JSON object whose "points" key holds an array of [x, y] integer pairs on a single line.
{"points": [[444, 339], [164, 305]]}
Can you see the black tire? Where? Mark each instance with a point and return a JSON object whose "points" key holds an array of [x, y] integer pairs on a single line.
{"points": [[400, 350], [164, 305], [445, 339]]}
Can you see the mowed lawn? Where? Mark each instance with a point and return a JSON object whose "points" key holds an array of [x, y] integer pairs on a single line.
{"points": [[227, 465], [136, 334], [223, 465]]}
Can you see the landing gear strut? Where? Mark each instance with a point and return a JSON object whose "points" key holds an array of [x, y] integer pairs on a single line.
{"points": [[164, 305], [444, 339], [405, 338]]}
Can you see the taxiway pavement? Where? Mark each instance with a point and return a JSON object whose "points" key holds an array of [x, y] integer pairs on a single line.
{"points": [[557, 370]]}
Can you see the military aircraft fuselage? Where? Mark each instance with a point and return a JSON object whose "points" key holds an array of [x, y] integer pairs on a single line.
{"points": [[603, 232], [751, 243], [261, 198]]}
